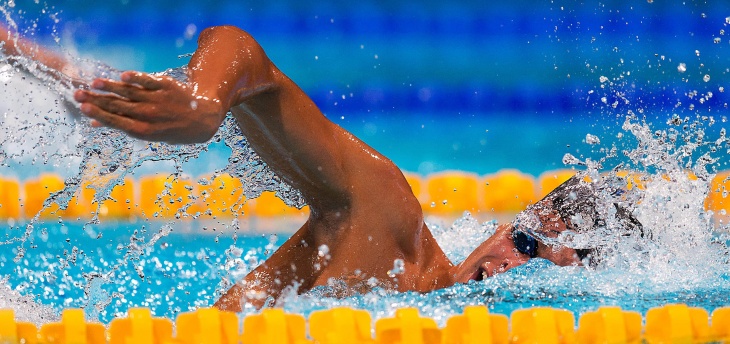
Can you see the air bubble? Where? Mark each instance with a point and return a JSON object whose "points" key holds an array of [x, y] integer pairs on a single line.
{"points": [[682, 68], [706, 78]]}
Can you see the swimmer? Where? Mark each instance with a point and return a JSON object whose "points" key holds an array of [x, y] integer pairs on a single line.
{"points": [[362, 210]]}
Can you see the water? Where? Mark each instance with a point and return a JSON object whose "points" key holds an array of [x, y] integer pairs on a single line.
{"points": [[176, 266]]}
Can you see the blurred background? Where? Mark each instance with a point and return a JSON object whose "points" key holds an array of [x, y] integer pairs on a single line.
{"points": [[468, 85], [475, 86]]}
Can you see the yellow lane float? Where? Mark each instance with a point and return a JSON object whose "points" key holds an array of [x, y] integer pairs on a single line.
{"points": [[221, 196], [165, 197], [218, 197], [9, 198], [717, 200], [549, 180], [268, 205], [673, 323], [122, 206], [36, 193], [452, 192], [508, 191]]}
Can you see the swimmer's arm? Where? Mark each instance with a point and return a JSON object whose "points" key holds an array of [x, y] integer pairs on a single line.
{"points": [[347, 185], [13, 45], [229, 70]]}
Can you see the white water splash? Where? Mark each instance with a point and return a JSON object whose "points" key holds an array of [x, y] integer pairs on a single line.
{"points": [[26, 308]]}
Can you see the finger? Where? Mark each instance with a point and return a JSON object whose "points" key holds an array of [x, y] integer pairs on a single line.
{"points": [[108, 119], [110, 103], [129, 91], [143, 79], [116, 105]]}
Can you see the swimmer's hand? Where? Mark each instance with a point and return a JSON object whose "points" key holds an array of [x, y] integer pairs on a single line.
{"points": [[152, 108]]}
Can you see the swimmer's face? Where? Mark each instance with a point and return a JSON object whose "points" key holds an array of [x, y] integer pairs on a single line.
{"points": [[495, 255], [499, 253], [552, 226]]}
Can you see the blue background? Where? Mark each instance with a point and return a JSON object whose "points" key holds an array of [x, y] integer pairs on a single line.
{"points": [[471, 85]]}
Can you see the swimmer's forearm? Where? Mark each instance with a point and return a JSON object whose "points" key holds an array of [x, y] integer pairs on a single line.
{"points": [[17, 46]]}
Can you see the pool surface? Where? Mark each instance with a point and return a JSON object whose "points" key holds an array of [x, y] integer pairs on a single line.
{"points": [[465, 86]]}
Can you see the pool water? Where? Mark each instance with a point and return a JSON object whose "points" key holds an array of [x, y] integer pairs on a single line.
{"points": [[510, 92], [177, 268]]}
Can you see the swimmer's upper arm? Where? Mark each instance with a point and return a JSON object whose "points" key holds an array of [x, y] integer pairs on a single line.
{"points": [[330, 166]]}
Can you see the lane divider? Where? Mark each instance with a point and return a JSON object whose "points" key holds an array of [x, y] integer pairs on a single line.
{"points": [[165, 197], [673, 323]]}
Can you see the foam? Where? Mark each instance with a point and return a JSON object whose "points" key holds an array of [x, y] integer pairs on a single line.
{"points": [[26, 308]]}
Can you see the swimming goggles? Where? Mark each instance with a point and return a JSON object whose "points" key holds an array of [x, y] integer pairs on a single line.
{"points": [[525, 243]]}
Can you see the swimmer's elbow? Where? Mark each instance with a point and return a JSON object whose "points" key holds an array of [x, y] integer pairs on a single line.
{"points": [[234, 39], [214, 32]]}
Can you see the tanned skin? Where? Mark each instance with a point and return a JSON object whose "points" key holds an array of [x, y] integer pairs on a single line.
{"points": [[361, 206]]}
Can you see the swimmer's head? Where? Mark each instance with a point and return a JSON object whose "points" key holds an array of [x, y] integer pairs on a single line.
{"points": [[540, 230], [588, 209]]}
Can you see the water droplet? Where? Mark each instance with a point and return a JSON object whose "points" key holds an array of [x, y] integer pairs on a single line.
{"points": [[323, 250], [569, 159], [193, 105], [372, 282], [399, 267], [592, 139]]}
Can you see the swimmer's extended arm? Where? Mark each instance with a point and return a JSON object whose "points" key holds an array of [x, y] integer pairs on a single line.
{"points": [[14, 45], [349, 187]]}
